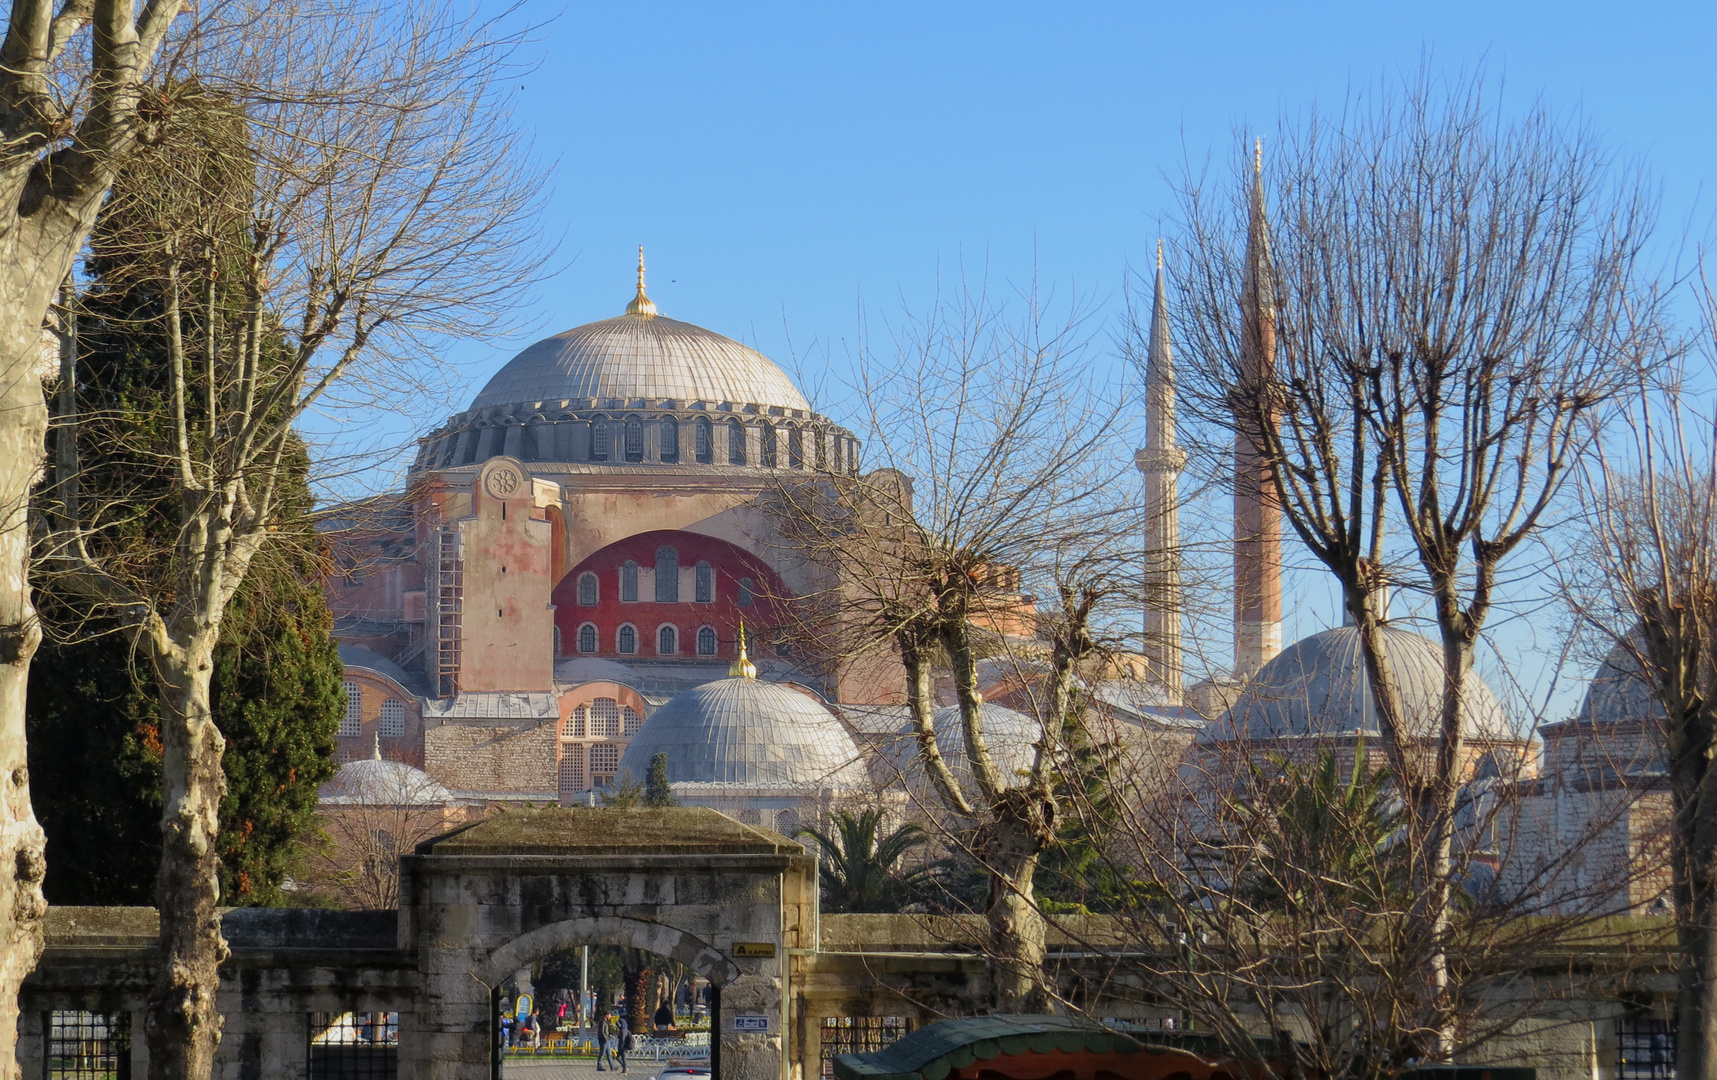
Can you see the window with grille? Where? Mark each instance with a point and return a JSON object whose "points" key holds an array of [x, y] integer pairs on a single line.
{"points": [[89, 1045], [747, 589], [598, 441], [766, 451], [571, 771], [628, 642], [706, 641], [860, 1035], [795, 448], [354, 1046], [353, 722], [604, 716], [822, 444], [667, 576], [705, 442], [735, 443], [667, 641], [670, 440], [705, 584], [575, 723], [604, 763], [1645, 1049], [392, 720], [588, 590], [587, 638], [634, 440], [630, 721], [629, 582]]}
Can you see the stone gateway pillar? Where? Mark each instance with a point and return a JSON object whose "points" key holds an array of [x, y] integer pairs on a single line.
{"points": [[726, 899]]}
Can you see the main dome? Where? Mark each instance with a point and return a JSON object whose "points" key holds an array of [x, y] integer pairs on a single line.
{"points": [[641, 356], [1318, 686], [742, 731]]}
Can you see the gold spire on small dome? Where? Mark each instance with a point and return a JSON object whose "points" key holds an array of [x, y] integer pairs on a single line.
{"points": [[641, 304], [742, 667]]}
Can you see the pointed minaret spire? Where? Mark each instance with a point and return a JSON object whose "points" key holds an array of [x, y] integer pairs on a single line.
{"points": [[1161, 462], [641, 304], [1257, 517]]}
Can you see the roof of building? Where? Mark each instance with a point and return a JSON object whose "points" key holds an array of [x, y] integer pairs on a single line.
{"points": [[1009, 736], [1619, 692], [356, 656], [1318, 686], [495, 705], [642, 357], [377, 782], [745, 731], [566, 830]]}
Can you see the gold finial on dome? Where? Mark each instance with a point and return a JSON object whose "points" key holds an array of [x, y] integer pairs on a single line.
{"points": [[742, 667], [641, 304]]}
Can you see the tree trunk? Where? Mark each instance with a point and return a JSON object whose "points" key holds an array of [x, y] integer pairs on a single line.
{"points": [[1694, 866], [182, 1026], [1016, 946], [23, 429], [636, 978]]}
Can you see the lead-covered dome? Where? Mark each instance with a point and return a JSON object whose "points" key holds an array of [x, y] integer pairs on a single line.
{"points": [[745, 732], [1620, 692], [1010, 737], [641, 357], [1318, 686], [376, 782]]}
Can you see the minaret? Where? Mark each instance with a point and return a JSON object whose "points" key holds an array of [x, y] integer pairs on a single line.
{"points": [[1161, 462], [1257, 517]]}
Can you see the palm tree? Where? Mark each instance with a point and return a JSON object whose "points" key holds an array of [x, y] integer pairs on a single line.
{"points": [[858, 869]]}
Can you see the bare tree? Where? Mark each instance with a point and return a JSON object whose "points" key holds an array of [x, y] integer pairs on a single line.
{"points": [[995, 470], [374, 811], [1408, 353], [339, 196], [1646, 583]]}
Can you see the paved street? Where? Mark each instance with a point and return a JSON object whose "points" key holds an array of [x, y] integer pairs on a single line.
{"points": [[574, 1069]]}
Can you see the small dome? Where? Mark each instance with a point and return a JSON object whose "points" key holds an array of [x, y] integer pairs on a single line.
{"points": [[742, 731], [1010, 736], [1620, 693], [375, 782], [641, 356], [1319, 686]]}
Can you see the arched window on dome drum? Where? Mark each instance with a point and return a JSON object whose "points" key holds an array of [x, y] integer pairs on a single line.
{"points": [[735, 442], [747, 588], [706, 641], [629, 583], [599, 439], [705, 586], [667, 641], [587, 638], [667, 576], [766, 454], [705, 441], [634, 439], [822, 447], [628, 639], [589, 592], [795, 448], [670, 439]]}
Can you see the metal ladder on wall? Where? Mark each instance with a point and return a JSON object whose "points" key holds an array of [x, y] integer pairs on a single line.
{"points": [[448, 602]]}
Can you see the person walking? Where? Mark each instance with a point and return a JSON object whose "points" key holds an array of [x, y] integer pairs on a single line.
{"points": [[604, 1040], [623, 1039]]}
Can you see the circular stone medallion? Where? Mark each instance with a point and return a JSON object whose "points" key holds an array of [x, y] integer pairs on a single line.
{"points": [[502, 483]]}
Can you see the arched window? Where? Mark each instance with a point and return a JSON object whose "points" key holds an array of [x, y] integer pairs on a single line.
{"points": [[670, 439], [634, 439], [630, 721], [746, 589], [766, 436], [706, 641], [795, 448], [667, 576], [353, 722], [705, 441], [599, 439], [629, 583], [604, 717], [392, 718], [735, 442], [705, 584], [822, 449], [667, 641], [587, 638], [558, 650], [589, 590], [628, 639]]}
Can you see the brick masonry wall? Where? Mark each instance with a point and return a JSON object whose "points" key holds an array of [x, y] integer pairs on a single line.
{"points": [[471, 757]]}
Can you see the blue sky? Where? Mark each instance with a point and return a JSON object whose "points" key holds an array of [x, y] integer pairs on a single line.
{"points": [[784, 164]]}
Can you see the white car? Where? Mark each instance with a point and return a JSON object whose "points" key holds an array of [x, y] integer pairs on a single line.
{"points": [[684, 1072]]}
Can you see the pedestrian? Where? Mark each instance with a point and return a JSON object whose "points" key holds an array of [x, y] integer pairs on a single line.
{"points": [[623, 1038], [604, 1040], [506, 1032]]}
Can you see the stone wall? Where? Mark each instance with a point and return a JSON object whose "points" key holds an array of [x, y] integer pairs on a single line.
{"points": [[493, 758]]}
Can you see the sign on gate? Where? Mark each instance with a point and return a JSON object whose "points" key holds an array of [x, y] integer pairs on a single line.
{"points": [[751, 1022]]}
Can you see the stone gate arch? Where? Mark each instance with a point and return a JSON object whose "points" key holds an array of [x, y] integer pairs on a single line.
{"points": [[727, 899]]}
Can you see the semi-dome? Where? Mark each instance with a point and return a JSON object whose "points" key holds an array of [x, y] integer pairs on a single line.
{"points": [[641, 356], [1010, 737], [376, 782], [1620, 693], [1318, 686], [745, 732]]}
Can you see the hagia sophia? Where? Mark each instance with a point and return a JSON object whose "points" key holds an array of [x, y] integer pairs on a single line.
{"points": [[557, 595]]}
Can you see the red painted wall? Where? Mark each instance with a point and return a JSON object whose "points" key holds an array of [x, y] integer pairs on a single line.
{"points": [[729, 562]]}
